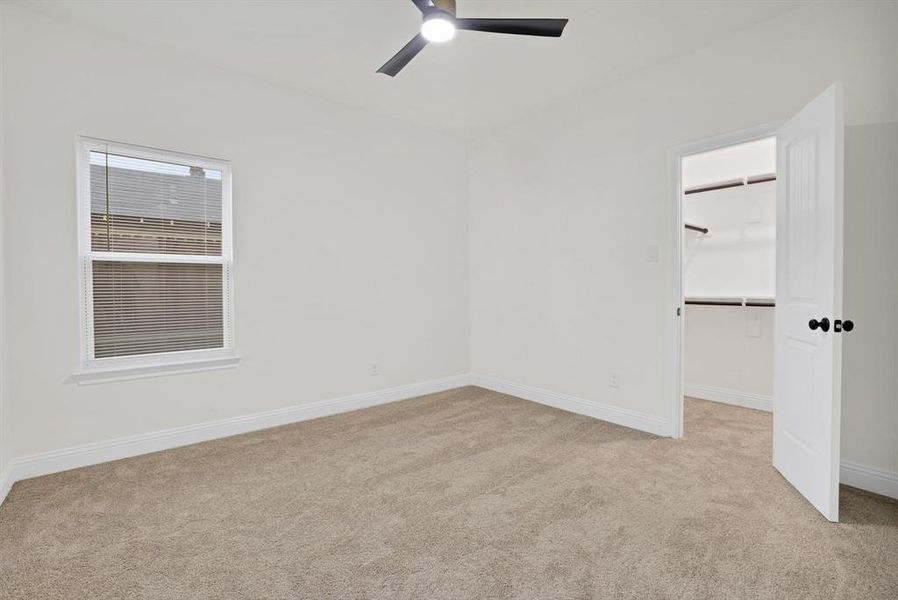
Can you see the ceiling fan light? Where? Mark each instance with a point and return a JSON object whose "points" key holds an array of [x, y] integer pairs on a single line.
{"points": [[438, 29]]}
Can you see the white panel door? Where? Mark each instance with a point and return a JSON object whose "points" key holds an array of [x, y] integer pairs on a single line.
{"points": [[808, 350]]}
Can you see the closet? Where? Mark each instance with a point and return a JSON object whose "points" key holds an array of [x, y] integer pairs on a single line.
{"points": [[729, 273]]}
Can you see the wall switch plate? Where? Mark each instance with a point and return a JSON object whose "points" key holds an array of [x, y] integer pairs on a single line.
{"points": [[373, 368], [614, 380], [652, 253]]}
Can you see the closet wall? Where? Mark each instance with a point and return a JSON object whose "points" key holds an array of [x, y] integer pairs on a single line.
{"points": [[729, 349]]}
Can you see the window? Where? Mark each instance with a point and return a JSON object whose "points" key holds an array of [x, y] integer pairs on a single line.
{"points": [[156, 254]]}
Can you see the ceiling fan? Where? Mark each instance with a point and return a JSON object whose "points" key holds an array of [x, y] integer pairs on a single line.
{"points": [[440, 24]]}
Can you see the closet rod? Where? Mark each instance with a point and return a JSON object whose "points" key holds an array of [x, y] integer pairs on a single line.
{"points": [[731, 183], [764, 303], [695, 228]]}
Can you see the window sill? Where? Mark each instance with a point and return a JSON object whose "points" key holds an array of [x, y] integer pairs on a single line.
{"points": [[103, 374]]}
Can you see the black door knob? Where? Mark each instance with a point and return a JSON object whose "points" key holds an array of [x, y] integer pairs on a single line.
{"points": [[822, 324], [839, 325]]}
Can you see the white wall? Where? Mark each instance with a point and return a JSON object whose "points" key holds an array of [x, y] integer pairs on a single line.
{"points": [[870, 352], [737, 257], [733, 162], [728, 354], [565, 206], [5, 452], [340, 256]]}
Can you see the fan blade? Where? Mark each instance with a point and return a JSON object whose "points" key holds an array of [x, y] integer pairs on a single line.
{"points": [[423, 4], [542, 27], [402, 58]]}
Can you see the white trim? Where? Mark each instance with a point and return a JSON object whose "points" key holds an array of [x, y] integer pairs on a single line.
{"points": [[154, 154], [64, 459], [728, 396], [190, 259], [673, 323], [871, 479], [597, 410], [673, 320], [6, 481], [91, 369], [152, 365], [85, 279], [227, 252]]}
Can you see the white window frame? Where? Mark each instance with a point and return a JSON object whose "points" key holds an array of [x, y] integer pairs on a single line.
{"points": [[94, 370]]}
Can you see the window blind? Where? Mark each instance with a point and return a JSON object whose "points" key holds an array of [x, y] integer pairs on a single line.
{"points": [[141, 205], [144, 308], [156, 259]]}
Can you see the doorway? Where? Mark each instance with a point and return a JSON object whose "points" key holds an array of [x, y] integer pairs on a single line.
{"points": [[720, 162]]}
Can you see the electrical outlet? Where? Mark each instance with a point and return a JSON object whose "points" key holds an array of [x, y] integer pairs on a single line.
{"points": [[614, 380], [373, 368]]}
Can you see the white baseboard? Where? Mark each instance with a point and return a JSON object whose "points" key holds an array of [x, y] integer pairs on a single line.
{"points": [[55, 461], [597, 410], [728, 396], [878, 481], [6, 482]]}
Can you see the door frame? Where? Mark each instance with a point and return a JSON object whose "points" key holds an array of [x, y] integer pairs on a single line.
{"points": [[675, 306]]}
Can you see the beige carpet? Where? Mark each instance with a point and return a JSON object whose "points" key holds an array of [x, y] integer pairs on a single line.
{"points": [[463, 494]]}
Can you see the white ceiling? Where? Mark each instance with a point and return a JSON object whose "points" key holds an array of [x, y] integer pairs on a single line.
{"points": [[475, 82]]}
